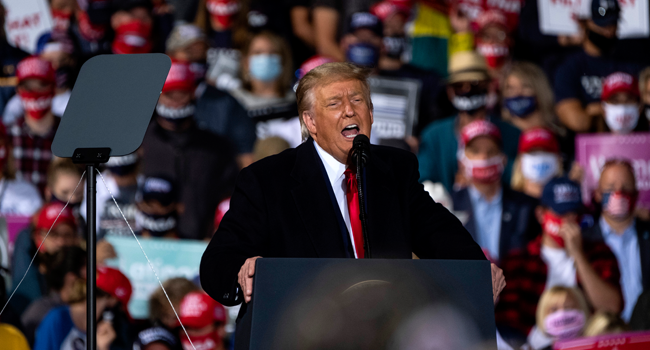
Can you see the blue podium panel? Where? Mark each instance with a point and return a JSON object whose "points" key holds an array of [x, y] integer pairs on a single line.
{"points": [[370, 304]]}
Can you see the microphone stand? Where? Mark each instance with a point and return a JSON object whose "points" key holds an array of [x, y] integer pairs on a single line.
{"points": [[360, 163]]}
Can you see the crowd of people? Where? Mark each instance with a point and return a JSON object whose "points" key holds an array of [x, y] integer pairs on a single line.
{"points": [[500, 105]]}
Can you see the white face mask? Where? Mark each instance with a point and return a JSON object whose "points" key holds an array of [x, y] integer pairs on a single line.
{"points": [[621, 118], [175, 113], [539, 167]]}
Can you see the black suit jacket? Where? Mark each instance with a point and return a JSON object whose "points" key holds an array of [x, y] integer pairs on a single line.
{"points": [[594, 233], [281, 208], [518, 222]]}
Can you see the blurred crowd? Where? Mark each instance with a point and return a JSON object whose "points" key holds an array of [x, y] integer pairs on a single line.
{"points": [[500, 105]]}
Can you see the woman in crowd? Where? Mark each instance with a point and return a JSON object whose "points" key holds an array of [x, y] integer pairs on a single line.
{"points": [[561, 315], [17, 197], [538, 161], [621, 104]]}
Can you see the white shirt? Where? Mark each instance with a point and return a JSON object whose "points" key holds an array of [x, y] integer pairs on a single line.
{"points": [[561, 267], [335, 172], [18, 197]]}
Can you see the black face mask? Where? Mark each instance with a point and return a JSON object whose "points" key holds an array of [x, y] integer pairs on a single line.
{"points": [[156, 225], [603, 43], [471, 101], [394, 45]]}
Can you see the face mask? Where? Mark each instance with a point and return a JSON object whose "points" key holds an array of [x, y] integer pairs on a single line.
{"points": [[363, 54], [603, 43], [394, 45], [551, 226], [222, 12], [132, 37], [564, 324], [89, 30], [470, 103], [265, 67], [156, 225], [621, 118], [181, 113], [205, 342], [483, 170], [521, 106], [36, 104], [495, 54], [61, 21], [618, 204], [539, 167]]}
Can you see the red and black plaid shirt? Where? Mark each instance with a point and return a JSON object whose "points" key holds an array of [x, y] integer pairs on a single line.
{"points": [[526, 274], [32, 153]]}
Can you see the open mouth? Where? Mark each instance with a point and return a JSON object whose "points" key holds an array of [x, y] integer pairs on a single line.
{"points": [[350, 131]]}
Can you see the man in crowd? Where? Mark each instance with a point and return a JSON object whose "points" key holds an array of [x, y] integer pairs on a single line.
{"points": [[578, 81], [202, 164], [500, 219], [132, 23], [188, 43], [467, 89], [29, 241], [299, 203], [627, 236], [9, 58], [493, 40], [66, 267], [559, 256], [157, 208], [363, 44], [620, 101], [32, 134]]}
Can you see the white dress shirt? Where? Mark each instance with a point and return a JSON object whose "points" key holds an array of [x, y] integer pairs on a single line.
{"points": [[335, 172]]}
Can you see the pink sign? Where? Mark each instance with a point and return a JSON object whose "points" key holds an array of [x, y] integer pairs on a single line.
{"points": [[15, 224], [593, 150], [623, 341]]}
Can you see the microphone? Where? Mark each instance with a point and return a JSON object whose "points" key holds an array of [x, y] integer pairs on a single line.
{"points": [[360, 150]]}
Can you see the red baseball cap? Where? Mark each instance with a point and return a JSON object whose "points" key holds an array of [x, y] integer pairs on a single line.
{"points": [[198, 310], [491, 17], [479, 128], [180, 77], [34, 67], [540, 138], [115, 283], [385, 9], [311, 63], [49, 214], [619, 82]]}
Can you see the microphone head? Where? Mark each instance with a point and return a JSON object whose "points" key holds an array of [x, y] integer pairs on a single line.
{"points": [[362, 141], [360, 149]]}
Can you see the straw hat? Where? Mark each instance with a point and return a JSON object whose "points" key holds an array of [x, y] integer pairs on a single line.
{"points": [[467, 66]]}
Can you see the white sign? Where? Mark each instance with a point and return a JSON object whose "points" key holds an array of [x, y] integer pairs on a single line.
{"points": [[26, 21], [556, 17]]}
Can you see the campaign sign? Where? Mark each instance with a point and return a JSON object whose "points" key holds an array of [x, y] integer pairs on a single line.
{"points": [[556, 16], [169, 257], [26, 21], [593, 150], [394, 102], [623, 341]]}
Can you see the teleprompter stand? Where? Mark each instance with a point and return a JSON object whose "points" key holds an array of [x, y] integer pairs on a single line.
{"points": [[108, 113]]}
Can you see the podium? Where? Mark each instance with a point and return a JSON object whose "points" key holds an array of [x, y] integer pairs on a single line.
{"points": [[368, 304]]}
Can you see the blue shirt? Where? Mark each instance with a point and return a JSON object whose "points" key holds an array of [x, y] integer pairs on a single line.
{"points": [[487, 219], [626, 249], [57, 332]]}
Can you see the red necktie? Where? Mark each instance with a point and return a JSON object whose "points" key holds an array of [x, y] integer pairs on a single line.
{"points": [[352, 194]]}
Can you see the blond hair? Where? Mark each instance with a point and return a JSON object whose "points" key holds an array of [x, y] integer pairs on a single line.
{"points": [[643, 80], [604, 322], [177, 288], [558, 294], [323, 75], [532, 75]]}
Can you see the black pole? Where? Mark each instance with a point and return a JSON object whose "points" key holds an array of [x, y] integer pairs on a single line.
{"points": [[362, 205], [91, 307]]}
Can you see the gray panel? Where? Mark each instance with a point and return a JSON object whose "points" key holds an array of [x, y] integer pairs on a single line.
{"points": [[112, 103]]}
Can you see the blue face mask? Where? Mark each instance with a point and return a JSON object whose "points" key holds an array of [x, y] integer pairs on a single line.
{"points": [[520, 106], [363, 54], [265, 67]]}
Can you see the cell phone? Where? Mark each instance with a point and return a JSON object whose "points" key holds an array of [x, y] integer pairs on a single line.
{"points": [[108, 316]]}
